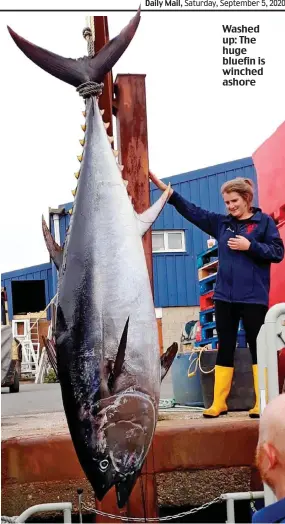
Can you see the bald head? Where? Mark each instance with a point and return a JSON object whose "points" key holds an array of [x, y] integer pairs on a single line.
{"points": [[272, 425]]}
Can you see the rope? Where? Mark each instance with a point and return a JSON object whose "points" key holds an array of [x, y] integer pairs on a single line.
{"points": [[200, 367], [166, 403], [90, 89], [87, 34], [8, 520], [198, 362]]}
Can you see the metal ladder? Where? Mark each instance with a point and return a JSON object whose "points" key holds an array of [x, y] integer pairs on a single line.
{"points": [[34, 336]]}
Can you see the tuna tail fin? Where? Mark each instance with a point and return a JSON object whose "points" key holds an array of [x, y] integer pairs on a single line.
{"points": [[167, 358], [55, 251], [146, 219], [76, 72]]}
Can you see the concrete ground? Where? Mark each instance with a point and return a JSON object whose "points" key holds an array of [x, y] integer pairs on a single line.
{"points": [[196, 459], [37, 411], [46, 398], [25, 413]]}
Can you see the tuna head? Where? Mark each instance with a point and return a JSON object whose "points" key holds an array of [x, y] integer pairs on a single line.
{"points": [[122, 430]]}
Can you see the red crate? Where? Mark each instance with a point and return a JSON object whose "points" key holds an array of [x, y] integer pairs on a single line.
{"points": [[206, 301]]}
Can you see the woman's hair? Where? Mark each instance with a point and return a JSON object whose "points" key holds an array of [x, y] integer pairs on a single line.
{"points": [[243, 186]]}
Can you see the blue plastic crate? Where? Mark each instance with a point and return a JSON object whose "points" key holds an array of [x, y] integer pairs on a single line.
{"points": [[207, 316], [209, 330], [207, 284], [241, 341], [205, 342], [207, 256]]}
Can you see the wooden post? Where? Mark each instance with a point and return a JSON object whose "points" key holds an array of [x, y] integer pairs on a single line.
{"points": [[105, 100], [131, 122], [130, 110]]}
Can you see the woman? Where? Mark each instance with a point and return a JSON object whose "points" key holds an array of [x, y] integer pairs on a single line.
{"points": [[248, 242]]}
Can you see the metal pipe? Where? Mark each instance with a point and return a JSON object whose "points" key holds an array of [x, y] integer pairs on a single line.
{"points": [[262, 367], [56, 228], [243, 495], [272, 341], [55, 218], [267, 346], [230, 510], [66, 507], [79, 492], [67, 515]]}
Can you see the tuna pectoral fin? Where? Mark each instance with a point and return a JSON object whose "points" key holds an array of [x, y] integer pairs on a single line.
{"points": [[146, 219], [55, 251], [167, 359], [76, 72], [119, 358]]}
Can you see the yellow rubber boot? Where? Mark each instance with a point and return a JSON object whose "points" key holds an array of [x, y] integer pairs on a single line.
{"points": [[223, 382], [254, 412]]}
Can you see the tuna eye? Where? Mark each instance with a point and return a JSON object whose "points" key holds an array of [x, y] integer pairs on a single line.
{"points": [[104, 464]]}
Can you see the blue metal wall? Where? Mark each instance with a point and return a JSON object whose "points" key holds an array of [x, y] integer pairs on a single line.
{"points": [[40, 272], [175, 274]]}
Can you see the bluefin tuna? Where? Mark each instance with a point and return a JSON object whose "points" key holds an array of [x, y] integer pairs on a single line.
{"points": [[106, 335]]}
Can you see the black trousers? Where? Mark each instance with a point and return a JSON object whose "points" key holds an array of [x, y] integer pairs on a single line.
{"points": [[228, 315]]}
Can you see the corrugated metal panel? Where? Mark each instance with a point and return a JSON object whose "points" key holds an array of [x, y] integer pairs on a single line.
{"points": [[40, 272], [175, 274], [64, 221]]}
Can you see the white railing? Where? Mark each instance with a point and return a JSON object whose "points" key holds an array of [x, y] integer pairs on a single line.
{"points": [[65, 507], [243, 495], [269, 342], [31, 364]]}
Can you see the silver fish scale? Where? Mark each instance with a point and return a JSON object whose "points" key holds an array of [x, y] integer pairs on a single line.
{"points": [[118, 287]]}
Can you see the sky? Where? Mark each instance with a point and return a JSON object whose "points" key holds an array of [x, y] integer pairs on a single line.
{"points": [[193, 120]]}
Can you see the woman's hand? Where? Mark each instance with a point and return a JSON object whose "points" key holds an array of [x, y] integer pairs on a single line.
{"points": [[158, 183], [239, 243]]}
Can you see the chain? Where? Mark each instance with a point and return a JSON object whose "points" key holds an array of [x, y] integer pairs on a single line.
{"points": [[217, 500], [253, 508]]}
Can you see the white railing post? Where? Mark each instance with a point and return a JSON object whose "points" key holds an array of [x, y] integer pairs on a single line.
{"points": [[65, 507], [230, 511], [242, 495], [268, 343]]}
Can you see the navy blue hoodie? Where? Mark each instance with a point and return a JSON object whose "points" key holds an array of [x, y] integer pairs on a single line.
{"points": [[243, 276]]}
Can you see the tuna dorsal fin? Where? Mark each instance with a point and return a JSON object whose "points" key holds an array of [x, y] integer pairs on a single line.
{"points": [[120, 357], [55, 251], [167, 358], [146, 219], [76, 72]]}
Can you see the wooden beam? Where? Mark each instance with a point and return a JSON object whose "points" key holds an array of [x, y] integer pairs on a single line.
{"points": [[106, 99], [132, 142]]}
